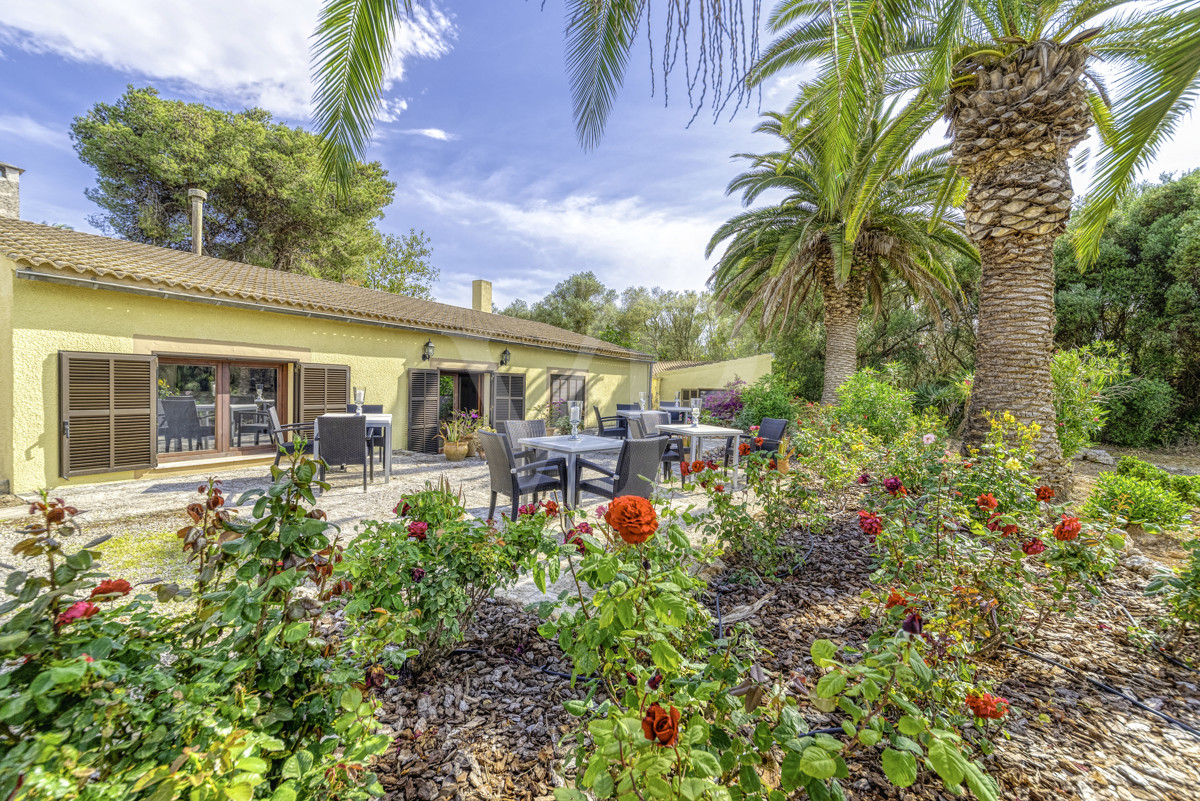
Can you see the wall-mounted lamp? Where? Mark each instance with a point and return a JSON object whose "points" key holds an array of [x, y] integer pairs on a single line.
{"points": [[505, 357], [427, 351]]}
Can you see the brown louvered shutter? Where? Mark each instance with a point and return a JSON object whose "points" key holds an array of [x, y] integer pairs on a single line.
{"points": [[510, 397], [108, 410], [321, 389], [424, 396]]}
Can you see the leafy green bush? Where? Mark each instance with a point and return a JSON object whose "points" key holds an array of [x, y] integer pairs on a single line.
{"points": [[432, 567], [869, 401], [1137, 500], [1182, 590], [1083, 379], [769, 396], [244, 696], [1187, 488], [1138, 416]]}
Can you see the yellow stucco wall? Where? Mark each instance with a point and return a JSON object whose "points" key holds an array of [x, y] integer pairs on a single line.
{"points": [[47, 318], [712, 376]]}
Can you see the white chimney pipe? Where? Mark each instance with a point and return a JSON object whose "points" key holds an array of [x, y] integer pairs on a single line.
{"points": [[197, 197]]}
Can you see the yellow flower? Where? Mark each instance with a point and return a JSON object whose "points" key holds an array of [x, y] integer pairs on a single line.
{"points": [[856, 447], [1012, 464]]}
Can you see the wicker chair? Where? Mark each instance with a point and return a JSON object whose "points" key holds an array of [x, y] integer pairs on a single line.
{"points": [[280, 432], [377, 440], [345, 441], [645, 427], [771, 429], [513, 480], [617, 426], [636, 466], [182, 422], [517, 430]]}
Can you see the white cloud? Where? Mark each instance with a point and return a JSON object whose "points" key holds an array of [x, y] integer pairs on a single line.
{"points": [[390, 110], [626, 241], [254, 53], [432, 133], [34, 131]]}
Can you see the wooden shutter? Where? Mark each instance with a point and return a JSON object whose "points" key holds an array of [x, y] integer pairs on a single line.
{"points": [[569, 387], [321, 389], [109, 412], [423, 399], [509, 398]]}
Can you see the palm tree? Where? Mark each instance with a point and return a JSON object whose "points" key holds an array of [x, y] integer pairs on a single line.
{"points": [[778, 254], [1015, 81]]}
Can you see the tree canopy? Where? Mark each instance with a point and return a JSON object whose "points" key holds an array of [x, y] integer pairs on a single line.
{"points": [[269, 202]]}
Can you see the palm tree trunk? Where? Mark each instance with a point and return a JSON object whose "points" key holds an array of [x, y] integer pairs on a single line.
{"points": [[843, 306], [1013, 130]]}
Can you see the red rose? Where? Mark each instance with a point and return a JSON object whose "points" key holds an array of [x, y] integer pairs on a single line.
{"points": [[1068, 529], [697, 466], [418, 529], [80, 610], [684, 469], [719, 488], [758, 441], [744, 449], [572, 538], [661, 726], [870, 523], [1011, 530], [711, 464], [402, 509], [551, 507], [895, 599], [989, 706], [1044, 494], [987, 501], [109, 587], [633, 518], [1033, 547]]}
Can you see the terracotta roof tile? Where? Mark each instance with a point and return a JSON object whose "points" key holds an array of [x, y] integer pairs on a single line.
{"points": [[55, 250]]}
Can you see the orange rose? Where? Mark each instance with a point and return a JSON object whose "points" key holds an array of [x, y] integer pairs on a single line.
{"points": [[661, 726], [633, 518]]}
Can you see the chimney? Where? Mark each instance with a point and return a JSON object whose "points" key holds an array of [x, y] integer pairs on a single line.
{"points": [[10, 190], [481, 295], [196, 198]]}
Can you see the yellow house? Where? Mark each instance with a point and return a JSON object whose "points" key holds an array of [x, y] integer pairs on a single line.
{"points": [[687, 380], [119, 358]]}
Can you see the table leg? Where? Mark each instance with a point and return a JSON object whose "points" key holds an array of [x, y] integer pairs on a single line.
{"points": [[737, 456], [570, 499], [387, 454]]}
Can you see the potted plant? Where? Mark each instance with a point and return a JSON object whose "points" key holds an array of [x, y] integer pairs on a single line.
{"points": [[452, 442], [470, 422]]}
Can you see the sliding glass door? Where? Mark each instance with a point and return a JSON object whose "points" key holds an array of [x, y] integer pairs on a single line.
{"points": [[216, 407]]}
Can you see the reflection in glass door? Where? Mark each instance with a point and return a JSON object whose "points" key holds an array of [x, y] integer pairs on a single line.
{"points": [[187, 395], [252, 391]]}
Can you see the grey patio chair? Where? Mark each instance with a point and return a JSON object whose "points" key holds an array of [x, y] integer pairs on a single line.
{"points": [[513, 480], [771, 429], [279, 433], [617, 426], [634, 475], [677, 413], [182, 422], [516, 430], [345, 441], [644, 427], [377, 440]]}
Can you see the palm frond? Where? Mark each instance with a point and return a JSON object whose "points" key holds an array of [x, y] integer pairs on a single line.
{"points": [[599, 37]]}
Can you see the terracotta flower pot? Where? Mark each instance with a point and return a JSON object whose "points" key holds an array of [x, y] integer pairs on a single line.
{"points": [[472, 447], [455, 451]]}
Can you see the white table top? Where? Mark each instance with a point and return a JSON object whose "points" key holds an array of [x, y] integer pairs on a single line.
{"points": [[371, 417], [564, 444], [702, 430]]}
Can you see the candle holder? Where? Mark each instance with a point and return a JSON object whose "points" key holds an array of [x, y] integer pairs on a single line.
{"points": [[360, 395], [695, 414], [642, 401], [258, 396], [574, 413]]}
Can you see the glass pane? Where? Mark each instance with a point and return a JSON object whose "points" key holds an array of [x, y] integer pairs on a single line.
{"points": [[252, 390], [186, 407]]}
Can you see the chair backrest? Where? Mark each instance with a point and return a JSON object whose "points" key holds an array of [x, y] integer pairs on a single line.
{"points": [[650, 421], [772, 428], [241, 399], [499, 461], [626, 407], [368, 408], [273, 430], [517, 430], [182, 419], [637, 465], [343, 440]]}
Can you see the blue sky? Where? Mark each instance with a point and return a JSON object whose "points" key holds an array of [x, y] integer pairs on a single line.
{"points": [[476, 131]]}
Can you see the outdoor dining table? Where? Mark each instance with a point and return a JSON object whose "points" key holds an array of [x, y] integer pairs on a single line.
{"points": [[699, 433], [383, 421], [571, 448]]}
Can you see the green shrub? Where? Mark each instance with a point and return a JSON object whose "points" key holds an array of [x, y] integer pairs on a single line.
{"points": [[1083, 378], [1135, 499], [434, 565], [1182, 590], [1187, 488], [1138, 416], [868, 400], [769, 396]]}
